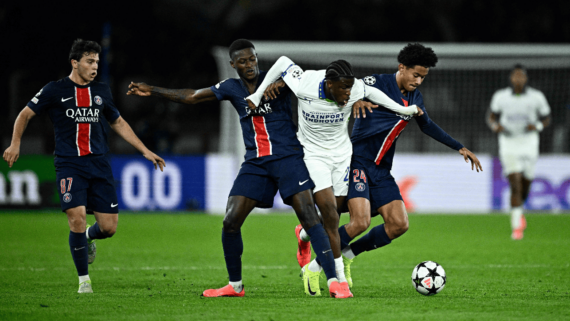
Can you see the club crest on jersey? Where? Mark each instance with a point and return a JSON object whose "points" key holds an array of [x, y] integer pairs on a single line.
{"points": [[369, 80], [360, 187], [67, 197], [98, 100]]}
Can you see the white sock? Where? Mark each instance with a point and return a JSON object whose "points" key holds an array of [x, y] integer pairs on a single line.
{"points": [[347, 252], [304, 236], [238, 286], [516, 214], [83, 278], [87, 234], [339, 267], [314, 266], [331, 280]]}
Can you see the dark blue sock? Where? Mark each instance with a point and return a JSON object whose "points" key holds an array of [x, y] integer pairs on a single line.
{"points": [[233, 249], [95, 232], [322, 247], [376, 238], [78, 246], [344, 238]]}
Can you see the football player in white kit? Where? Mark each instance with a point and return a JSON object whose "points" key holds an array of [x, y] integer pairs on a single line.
{"points": [[325, 100], [518, 114]]}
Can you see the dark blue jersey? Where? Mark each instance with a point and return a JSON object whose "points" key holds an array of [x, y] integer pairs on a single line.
{"points": [[374, 137], [268, 131], [77, 113]]}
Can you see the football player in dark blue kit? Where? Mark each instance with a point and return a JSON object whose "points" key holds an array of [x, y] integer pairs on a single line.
{"points": [[77, 106], [372, 189], [273, 161]]}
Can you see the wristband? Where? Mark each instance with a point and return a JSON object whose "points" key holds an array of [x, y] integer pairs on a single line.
{"points": [[539, 126]]}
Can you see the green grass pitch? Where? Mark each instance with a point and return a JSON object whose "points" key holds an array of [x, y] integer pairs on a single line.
{"points": [[157, 265]]}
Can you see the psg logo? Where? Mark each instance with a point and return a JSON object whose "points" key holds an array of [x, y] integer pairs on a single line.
{"points": [[98, 100], [369, 80], [67, 197], [360, 187]]}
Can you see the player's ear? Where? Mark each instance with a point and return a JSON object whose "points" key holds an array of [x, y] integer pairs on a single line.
{"points": [[232, 64], [401, 67]]}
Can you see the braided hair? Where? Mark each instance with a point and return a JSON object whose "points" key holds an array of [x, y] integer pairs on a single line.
{"points": [[339, 69]]}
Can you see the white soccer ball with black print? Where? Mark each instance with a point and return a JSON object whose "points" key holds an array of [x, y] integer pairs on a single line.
{"points": [[428, 278]]}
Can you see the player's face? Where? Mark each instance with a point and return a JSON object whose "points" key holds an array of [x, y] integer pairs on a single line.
{"points": [[245, 63], [340, 90], [518, 78], [86, 68], [412, 77]]}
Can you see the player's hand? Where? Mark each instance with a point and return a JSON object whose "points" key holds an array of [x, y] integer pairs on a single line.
{"points": [[360, 107], [497, 128], [250, 104], [139, 89], [155, 159], [11, 155], [273, 90], [419, 111], [531, 127], [469, 156]]}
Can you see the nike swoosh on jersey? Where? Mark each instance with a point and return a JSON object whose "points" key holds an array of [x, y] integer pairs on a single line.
{"points": [[66, 99], [301, 183], [114, 205]]}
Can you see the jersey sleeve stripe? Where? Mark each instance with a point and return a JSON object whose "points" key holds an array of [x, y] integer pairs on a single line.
{"points": [[390, 138], [262, 141]]}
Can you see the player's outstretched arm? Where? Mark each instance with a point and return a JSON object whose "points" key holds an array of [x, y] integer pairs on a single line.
{"points": [[469, 156], [360, 107], [121, 127], [380, 98], [273, 89], [275, 72], [12, 153], [184, 96]]}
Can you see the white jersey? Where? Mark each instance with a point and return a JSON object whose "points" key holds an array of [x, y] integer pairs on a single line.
{"points": [[323, 125], [517, 111]]}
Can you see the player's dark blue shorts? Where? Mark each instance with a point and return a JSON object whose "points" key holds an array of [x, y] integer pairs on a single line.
{"points": [[260, 179], [88, 181], [373, 183]]}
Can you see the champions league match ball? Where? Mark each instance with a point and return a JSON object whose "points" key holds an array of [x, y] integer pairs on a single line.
{"points": [[428, 278]]}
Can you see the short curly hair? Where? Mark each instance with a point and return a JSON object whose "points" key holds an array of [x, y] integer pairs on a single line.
{"points": [[417, 54]]}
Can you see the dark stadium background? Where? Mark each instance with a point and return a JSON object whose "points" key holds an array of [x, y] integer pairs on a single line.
{"points": [[168, 43]]}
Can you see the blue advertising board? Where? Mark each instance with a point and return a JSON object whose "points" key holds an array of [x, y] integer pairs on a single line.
{"points": [[179, 187]]}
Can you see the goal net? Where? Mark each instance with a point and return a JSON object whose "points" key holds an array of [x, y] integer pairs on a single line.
{"points": [[457, 92]]}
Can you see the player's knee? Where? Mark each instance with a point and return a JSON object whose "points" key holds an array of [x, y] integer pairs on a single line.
{"points": [[230, 225], [361, 224], [108, 231], [400, 227]]}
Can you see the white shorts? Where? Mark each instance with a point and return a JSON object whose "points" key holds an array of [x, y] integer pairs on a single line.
{"points": [[326, 173], [518, 163]]}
